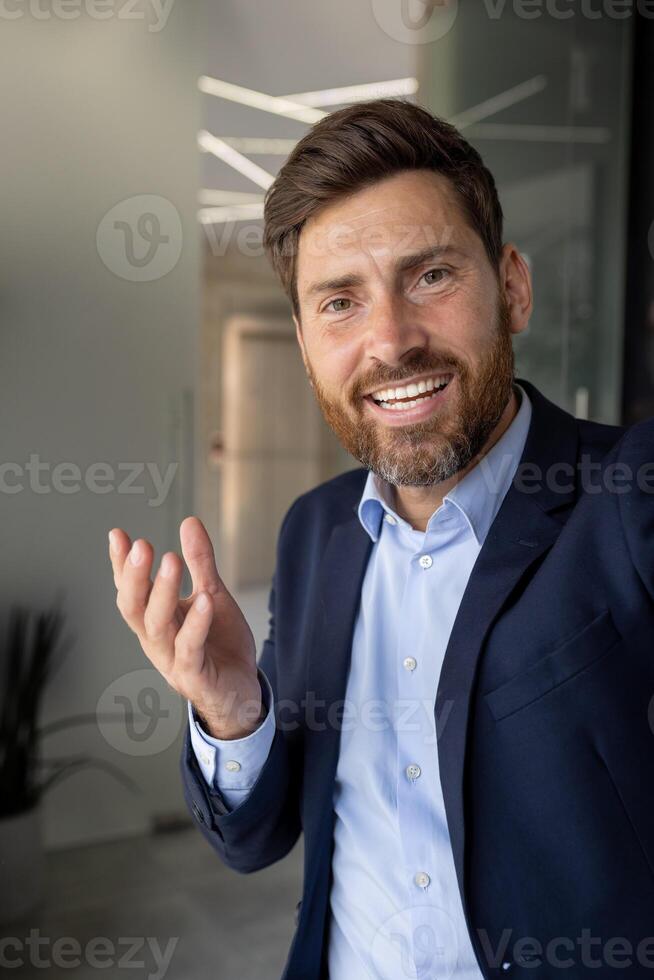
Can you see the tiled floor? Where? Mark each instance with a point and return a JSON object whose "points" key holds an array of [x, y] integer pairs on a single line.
{"points": [[165, 906]]}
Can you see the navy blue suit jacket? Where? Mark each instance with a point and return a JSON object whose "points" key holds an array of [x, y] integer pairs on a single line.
{"points": [[547, 751]]}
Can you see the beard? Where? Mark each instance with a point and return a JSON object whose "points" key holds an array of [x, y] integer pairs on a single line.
{"points": [[426, 453]]}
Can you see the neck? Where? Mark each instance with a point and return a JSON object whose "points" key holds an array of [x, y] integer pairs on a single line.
{"points": [[417, 504]]}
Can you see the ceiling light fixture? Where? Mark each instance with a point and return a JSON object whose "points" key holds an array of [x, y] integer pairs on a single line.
{"points": [[234, 212], [499, 102], [213, 197], [278, 105], [261, 145], [236, 160], [357, 93]]}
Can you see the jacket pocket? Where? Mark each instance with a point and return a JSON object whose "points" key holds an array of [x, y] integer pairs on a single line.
{"points": [[555, 668]]}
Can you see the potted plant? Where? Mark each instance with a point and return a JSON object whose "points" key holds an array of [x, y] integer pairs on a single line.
{"points": [[33, 649]]}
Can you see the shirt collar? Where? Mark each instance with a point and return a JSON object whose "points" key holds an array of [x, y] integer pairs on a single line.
{"points": [[476, 498]]}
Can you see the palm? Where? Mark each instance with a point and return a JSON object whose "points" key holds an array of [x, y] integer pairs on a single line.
{"points": [[206, 654], [229, 645]]}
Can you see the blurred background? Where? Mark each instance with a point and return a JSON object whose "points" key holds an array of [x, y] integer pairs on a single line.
{"points": [[150, 370]]}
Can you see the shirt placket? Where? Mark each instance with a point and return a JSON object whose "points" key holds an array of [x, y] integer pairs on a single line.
{"points": [[430, 935]]}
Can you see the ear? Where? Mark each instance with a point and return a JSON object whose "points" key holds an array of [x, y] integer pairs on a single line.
{"points": [[515, 280], [300, 340]]}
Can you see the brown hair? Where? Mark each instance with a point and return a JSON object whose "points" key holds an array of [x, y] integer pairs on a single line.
{"points": [[356, 146]]}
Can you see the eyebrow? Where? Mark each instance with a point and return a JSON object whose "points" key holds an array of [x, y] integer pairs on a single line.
{"points": [[405, 263]]}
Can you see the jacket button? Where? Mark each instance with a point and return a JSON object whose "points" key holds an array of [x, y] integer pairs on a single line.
{"points": [[197, 813], [506, 965]]}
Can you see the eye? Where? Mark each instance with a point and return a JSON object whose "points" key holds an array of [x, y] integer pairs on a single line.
{"points": [[440, 274], [339, 299]]}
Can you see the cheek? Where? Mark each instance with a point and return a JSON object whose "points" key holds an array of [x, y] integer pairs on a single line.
{"points": [[464, 326], [337, 363]]}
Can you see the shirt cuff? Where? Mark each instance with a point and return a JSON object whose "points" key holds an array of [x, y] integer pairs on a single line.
{"points": [[232, 766]]}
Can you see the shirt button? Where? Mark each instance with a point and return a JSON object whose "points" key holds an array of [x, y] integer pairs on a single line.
{"points": [[426, 561], [413, 771], [232, 766], [422, 879], [389, 519], [409, 663]]}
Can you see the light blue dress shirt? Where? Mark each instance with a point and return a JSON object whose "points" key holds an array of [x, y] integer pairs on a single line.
{"points": [[395, 902]]}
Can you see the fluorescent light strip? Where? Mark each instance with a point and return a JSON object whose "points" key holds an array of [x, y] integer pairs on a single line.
{"points": [[279, 106], [234, 159], [499, 102], [235, 212], [260, 145], [539, 134], [357, 93], [214, 197]]}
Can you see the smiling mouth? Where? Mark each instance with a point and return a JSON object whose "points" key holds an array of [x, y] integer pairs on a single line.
{"points": [[402, 397]]}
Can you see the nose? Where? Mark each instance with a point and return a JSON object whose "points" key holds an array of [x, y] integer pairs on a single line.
{"points": [[393, 331]]}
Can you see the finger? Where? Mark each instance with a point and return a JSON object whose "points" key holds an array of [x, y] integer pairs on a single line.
{"points": [[119, 545], [192, 637], [135, 585], [161, 620], [199, 556]]}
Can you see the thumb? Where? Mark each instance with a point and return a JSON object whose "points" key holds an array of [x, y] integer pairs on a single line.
{"points": [[199, 556]]}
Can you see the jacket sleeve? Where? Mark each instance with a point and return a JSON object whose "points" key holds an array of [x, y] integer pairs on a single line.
{"points": [[636, 504], [266, 824]]}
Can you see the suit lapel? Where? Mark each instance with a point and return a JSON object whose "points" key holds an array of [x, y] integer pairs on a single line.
{"points": [[522, 532], [502, 562], [340, 581], [340, 578]]}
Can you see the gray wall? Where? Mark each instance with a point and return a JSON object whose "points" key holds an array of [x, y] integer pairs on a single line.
{"points": [[95, 366]]}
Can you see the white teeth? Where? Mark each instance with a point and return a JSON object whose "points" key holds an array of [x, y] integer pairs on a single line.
{"points": [[402, 406], [410, 390]]}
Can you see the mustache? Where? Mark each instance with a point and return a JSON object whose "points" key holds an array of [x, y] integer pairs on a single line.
{"points": [[416, 365]]}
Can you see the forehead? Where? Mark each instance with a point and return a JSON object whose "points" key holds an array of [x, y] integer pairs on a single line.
{"points": [[396, 216]]}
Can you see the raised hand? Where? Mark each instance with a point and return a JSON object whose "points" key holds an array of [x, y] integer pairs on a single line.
{"points": [[202, 644]]}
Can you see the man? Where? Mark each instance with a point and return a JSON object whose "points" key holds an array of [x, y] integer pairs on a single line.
{"points": [[454, 700]]}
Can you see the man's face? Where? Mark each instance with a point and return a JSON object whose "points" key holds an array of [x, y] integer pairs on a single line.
{"points": [[395, 289]]}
